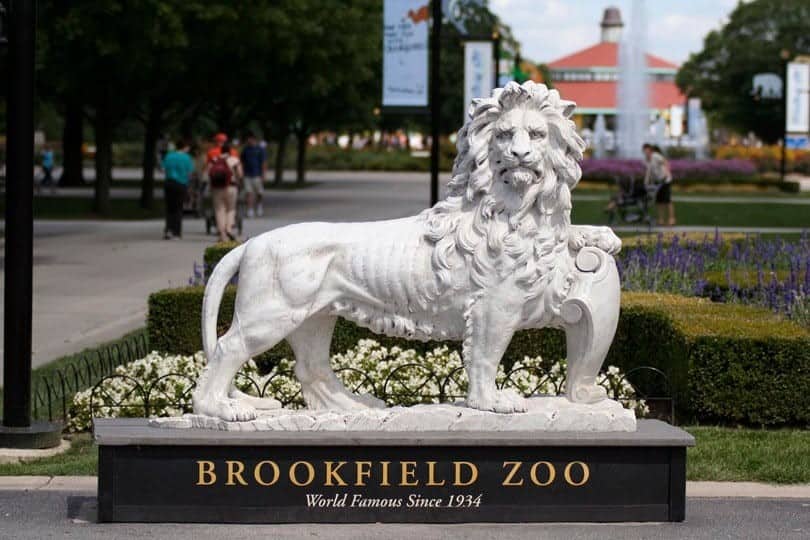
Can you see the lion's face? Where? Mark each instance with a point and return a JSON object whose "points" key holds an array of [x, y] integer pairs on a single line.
{"points": [[519, 141]]}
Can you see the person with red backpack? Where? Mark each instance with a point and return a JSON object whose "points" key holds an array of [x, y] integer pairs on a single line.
{"points": [[224, 173]]}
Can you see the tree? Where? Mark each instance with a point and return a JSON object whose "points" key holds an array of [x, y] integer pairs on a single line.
{"points": [[750, 42]]}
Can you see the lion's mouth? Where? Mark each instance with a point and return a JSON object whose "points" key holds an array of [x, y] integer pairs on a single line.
{"points": [[517, 175]]}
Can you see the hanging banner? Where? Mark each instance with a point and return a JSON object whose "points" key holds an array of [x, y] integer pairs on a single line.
{"points": [[405, 53], [478, 74], [797, 117]]}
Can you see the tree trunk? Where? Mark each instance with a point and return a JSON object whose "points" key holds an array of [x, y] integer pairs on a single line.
{"points": [[150, 137], [281, 150], [103, 130], [300, 159], [72, 135]]}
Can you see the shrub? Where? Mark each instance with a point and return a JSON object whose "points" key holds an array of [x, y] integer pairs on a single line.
{"points": [[214, 253], [684, 337], [168, 380], [684, 171]]}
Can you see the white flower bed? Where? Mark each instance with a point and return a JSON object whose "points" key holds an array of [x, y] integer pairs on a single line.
{"points": [[167, 381]]}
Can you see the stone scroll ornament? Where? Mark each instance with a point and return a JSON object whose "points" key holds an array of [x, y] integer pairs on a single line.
{"points": [[498, 255]]}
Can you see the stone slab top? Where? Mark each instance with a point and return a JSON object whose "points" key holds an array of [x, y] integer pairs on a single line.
{"points": [[137, 431]]}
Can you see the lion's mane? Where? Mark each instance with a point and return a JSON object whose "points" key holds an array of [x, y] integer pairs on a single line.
{"points": [[471, 225]]}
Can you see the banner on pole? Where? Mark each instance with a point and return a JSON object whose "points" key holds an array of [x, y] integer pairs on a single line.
{"points": [[797, 116], [405, 53], [478, 71]]}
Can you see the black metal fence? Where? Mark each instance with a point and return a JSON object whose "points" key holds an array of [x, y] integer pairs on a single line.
{"points": [[52, 393], [408, 384]]}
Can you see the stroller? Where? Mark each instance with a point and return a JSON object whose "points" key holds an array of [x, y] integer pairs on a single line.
{"points": [[632, 202]]}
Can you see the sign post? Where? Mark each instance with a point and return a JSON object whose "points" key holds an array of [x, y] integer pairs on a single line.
{"points": [[17, 430], [435, 99], [405, 67]]}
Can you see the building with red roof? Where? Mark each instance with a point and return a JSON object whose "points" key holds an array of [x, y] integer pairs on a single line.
{"points": [[590, 77]]}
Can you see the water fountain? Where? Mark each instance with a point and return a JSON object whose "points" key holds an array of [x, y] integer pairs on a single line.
{"points": [[599, 136], [633, 115]]}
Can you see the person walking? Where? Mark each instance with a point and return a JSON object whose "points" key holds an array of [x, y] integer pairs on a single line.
{"points": [[178, 167], [254, 163], [659, 178], [224, 172], [47, 168]]}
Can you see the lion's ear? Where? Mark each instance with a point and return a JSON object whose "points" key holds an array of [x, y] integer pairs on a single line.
{"points": [[567, 107]]}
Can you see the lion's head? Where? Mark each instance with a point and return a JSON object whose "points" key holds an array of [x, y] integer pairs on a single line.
{"points": [[518, 158]]}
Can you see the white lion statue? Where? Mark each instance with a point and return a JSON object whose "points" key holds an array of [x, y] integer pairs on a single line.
{"points": [[498, 255]]}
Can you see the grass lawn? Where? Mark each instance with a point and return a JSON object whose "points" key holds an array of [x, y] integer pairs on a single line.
{"points": [[82, 208], [711, 214], [727, 454], [80, 460], [722, 454]]}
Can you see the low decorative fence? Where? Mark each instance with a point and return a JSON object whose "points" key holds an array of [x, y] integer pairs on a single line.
{"points": [[408, 384], [52, 393]]}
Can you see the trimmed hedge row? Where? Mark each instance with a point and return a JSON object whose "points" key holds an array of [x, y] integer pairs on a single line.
{"points": [[726, 362]]}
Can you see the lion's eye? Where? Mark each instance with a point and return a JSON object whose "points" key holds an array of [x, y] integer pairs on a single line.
{"points": [[504, 135], [537, 134]]}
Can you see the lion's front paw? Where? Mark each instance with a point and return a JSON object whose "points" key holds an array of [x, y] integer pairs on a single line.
{"points": [[599, 237], [499, 401], [228, 409], [587, 393]]}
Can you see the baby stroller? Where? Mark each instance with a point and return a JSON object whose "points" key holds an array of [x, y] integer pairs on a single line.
{"points": [[632, 202]]}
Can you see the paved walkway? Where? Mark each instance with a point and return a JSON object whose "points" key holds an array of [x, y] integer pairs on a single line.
{"points": [[66, 507]]}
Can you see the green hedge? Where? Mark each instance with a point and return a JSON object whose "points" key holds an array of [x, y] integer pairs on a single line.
{"points": [[726, 362], [214, 253]]}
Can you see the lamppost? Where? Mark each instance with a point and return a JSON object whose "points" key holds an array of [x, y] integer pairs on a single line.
{"points": [[18, 431], [784, 54]]}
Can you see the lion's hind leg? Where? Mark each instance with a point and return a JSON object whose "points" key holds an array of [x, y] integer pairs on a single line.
{"points": [[319, 384], [248, 336]]}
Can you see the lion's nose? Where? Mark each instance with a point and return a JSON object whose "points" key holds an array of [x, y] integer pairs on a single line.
{"points": [[520, 153]]}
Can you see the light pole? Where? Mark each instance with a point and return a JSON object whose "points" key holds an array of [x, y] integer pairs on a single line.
{"points": [[784, 54], [17, 430], [435, 99]]}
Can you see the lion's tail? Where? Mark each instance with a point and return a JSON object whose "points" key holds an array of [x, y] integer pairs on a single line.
{"points": [[219, 279]]}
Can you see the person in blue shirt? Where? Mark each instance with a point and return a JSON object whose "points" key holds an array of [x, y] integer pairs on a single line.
{"points": [[177, 166], [254, 165], [47, 167]]}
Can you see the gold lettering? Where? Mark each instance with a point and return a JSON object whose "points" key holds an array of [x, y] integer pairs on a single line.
{"points": [[363, 472], [586, 474], [408, 474], [235, 470], [205, 473], [515, 466], [257, 473], [332, 473], [457, 476], [552, 473], [294, 476], [432, 475], [384, 481]]}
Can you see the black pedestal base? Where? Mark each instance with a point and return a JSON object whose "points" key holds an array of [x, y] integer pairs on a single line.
{"points": [[37, 436], [151, 474]]}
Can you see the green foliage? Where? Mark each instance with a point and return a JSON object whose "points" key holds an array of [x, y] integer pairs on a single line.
{"points": [[214, 253], [749, 455], [751, 42], [694, 341]]}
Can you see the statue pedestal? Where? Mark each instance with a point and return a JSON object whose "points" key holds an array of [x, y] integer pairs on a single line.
{"points": [[154, 474]]}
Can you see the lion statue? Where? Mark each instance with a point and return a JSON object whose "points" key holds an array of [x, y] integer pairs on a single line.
{"points": [[498, 255]]}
